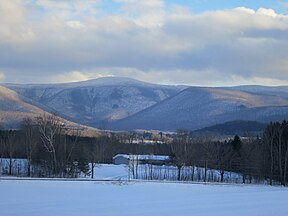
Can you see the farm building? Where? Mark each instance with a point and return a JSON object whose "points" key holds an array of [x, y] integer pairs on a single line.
{"points": [[141, 159]]}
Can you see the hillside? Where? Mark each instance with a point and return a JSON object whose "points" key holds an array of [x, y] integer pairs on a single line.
{"points": [[195, 108], [99, 101], [125, 104], [242, 128], [14, 108], [280, 91]]}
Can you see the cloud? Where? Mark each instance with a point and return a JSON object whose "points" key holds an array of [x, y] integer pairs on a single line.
{"points": [[257, 80], [145, 13], [66, 9], [14, 28], [76, 76], [2, 76], [148, 40]]}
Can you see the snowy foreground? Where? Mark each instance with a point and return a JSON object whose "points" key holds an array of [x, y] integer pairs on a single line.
{"points": [[68, 198]]}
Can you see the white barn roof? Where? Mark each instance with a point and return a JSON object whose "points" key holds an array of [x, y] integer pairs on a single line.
{"points": [[143, 157]]}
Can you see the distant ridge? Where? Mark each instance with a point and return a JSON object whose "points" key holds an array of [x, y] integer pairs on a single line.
{"points": [[241, 128], [121, 103], [13, 108], [196, 107], [96, 102]]}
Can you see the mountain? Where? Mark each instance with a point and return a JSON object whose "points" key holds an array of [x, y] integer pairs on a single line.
{"points": [[126, 104], [195, 108], [279, 91], [14, 108], [97, 102], [241, 128]]}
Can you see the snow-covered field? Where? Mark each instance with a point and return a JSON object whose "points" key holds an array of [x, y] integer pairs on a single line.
{"points": [[69, 198], [124, 172]]}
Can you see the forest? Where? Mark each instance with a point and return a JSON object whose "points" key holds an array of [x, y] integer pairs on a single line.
{"points": [[52, 151]]}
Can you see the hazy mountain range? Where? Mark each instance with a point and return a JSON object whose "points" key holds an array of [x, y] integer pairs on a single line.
{"points": [[126, 104], [241, 128]]}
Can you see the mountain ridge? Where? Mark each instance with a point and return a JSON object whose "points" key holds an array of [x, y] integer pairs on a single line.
{"points": [[197, 106], [100, 100], [123, 103]]}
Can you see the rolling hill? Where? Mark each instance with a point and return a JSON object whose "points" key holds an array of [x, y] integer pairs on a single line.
{"points": [[14, 108], [126, 104], [195, 108], [241, 128], [99, 101]]}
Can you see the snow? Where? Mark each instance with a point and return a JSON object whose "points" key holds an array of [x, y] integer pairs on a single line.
{"points": [[164, 172], [143, 157], [111, 172], [124, 172], [18, 166], [69, 198]]}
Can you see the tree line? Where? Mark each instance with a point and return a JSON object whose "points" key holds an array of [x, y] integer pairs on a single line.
{"points": [[53, 152], [260, 159]]}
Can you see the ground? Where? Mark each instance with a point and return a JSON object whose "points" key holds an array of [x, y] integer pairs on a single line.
{"points": [[85, 198]]}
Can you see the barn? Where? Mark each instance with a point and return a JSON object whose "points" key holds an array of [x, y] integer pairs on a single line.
{"points": [[141, 159]]}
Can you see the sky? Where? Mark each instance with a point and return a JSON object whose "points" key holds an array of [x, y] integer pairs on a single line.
{"points": [[194, 42]]}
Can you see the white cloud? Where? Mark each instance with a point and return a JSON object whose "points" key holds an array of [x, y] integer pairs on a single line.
{"points": [[187, 77], [145, 13], [14, 28], [76, 76], [2, 76], [67, 9], [143, 39], [267, 12], [75, 24], [237, 80]]}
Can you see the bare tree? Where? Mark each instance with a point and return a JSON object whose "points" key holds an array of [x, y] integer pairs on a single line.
{"points": [[269, 137], [282, 150], [276, 140], [49, 126], [251, 158], [69, 145], [9, 145], [221, 153], [95, 155], [179, 151], [31, 136]]}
